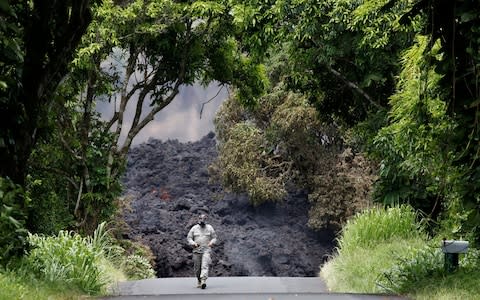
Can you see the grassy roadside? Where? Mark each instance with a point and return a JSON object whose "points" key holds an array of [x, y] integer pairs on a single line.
{"points": [[22, 283], [69, 266], [386, 251], [18, 286]]}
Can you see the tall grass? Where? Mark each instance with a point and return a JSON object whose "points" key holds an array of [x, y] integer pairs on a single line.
{"points": [[68, 265], [379, 225], [21, 283], [369, 244], [358, 271], [386, 250], [67, 259], [422, 276]]}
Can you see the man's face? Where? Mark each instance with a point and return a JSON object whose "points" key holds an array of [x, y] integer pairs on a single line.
{"points": [[201, 220]]}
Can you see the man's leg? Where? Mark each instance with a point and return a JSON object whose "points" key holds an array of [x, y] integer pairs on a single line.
{"points": [[197, 267], [206, 260]]}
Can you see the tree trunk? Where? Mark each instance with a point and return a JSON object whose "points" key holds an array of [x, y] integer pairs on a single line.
{"points": [[52, 31]]}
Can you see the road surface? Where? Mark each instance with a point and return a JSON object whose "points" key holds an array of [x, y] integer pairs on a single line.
{"points": [[233, 288]]}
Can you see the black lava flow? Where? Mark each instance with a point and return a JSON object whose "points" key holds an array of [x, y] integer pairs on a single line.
{"points": [[169, 186]]}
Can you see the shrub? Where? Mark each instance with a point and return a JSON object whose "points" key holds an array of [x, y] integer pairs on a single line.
{"points": [[135, 259], [412, 268], [67, 259], [471, 260], [341, 191], [70, 265], [13, 205], [137, 267], [421, 274]]}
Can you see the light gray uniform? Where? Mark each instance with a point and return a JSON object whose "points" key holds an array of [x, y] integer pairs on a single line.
{"points": [[201, 236]]}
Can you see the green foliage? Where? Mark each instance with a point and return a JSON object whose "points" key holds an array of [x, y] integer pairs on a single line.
{"points": [[133, 259], [417, 148], [345, 58], [67, 259], [461, 285], [83, 263], [341, 191], [250, 79], [77, 160], [397, 257], [417, 268], [410, 269], [13, 233], [19, 283], [68, 266], [369, 244], [57, 172], [428, 151], [378, 225], [38, 40], [358, 271], [241, 165], [423, 269], [137, 267], [255, 24], [143, 51], [50, 211], [162, 31], [282, 140], [11, 54]]}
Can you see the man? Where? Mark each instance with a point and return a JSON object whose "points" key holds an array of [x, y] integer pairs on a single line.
{"points": [[201, 237]]}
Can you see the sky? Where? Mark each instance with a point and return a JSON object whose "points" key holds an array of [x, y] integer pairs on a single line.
{"points": [[180, 119]]}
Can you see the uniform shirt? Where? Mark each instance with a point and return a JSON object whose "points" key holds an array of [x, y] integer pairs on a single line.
{"points": [[202, 236]]}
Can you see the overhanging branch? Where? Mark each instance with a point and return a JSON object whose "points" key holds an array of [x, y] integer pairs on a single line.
{"points": [[354, 87]]}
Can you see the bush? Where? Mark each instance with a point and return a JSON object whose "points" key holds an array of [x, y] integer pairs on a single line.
{"points": [[341, 191], [421, 274], [134, 259], [471, 260], [137, 267], [69, 265], [67, 259], [412, 268], [13, 205]]}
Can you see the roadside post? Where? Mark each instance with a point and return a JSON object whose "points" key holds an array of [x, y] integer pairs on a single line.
{"points": [[452, 248]]}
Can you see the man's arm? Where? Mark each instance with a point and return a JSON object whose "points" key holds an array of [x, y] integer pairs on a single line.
{"points": [[213, 241], [190, 240]]}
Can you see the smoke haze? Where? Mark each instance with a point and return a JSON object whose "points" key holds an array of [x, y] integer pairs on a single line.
{"points": [[180, 119]]}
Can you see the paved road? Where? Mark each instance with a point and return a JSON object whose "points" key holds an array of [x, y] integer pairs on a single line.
{"points": [[233, 288]]}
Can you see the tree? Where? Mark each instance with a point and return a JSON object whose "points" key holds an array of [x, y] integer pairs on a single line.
{"points": [[415, 148], [283, 142], [43, 36], [139, 54], [436, 127], [38, 40], [343, 54]]}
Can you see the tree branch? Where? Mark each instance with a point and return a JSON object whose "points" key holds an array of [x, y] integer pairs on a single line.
{"points": [[56, 171], [79, 196], [355, 87], [209, 100]]}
